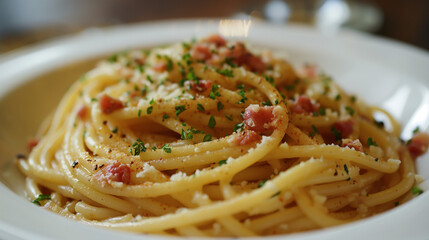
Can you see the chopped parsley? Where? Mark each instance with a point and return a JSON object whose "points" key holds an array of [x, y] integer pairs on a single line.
{"points": [[229, 117], [169, 63], [200, 107], [336, 133], [242, 93], [267, 103], [149, 110], [139, 113], [140, 68], [238, 127], [94, 99], [149, 78], [353, 99], [113, 58], [166, 116], [115, 129], [276, 102], [181, 69], [338, 97], [416, 190], [166, 148], [322, 111], [41, 197], [186, 45], [269, 79], [350, 110], [179, 109], [143, 91], [222, 162], [416, 130], [225, 72], [207, 138], [219, 106], [191, 75], [212, 122], [137, 148], [214, 93], [261, 183], [187, 58], [290, 87], [186, 134], [229, 62], [346, 169], [314, 131], [370, 142]]}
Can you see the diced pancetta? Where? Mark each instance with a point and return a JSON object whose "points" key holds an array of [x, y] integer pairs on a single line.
{"points": [[345, 127], [303, 105], [419, 144], [117, 172], [354, 144], [247, 137], [258, 119], [109, 104]]}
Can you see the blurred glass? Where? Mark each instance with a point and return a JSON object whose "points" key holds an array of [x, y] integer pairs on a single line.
{"points": [[24, 22]]}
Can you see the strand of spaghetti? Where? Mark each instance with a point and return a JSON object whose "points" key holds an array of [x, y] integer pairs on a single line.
{"points": [[298, 136], [301, 120], [284, 181], [313, 212], [396, 126], [198, 159], [204, 177], [99, 197], [162, 107], [345, 187], [65, 105], [191, 231], [95, 213], [66, 191], [283, 216], [334, 152], [381, 138], [397, 190]]}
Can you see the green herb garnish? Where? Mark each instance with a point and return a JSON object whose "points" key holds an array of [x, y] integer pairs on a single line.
{"points": [[207, 138], [416, 190], [219, 106], [137, 147], [179, 109], [166, 148], [350, 110], [261, 183], [212, 122], [200, 107], [225, 72], [222, 162], [41, 197], [370, 142]]}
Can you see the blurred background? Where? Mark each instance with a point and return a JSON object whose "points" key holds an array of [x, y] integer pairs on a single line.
{"points": [[24, 22]]}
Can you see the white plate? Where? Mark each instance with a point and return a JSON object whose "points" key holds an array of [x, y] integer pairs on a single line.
{"points": [[382, 72]]}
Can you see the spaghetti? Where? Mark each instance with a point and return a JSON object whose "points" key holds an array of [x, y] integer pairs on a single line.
{"points": [[206, 138]]}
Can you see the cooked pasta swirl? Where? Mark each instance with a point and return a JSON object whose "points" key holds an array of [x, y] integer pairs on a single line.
{"points": [[207, 138]]}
